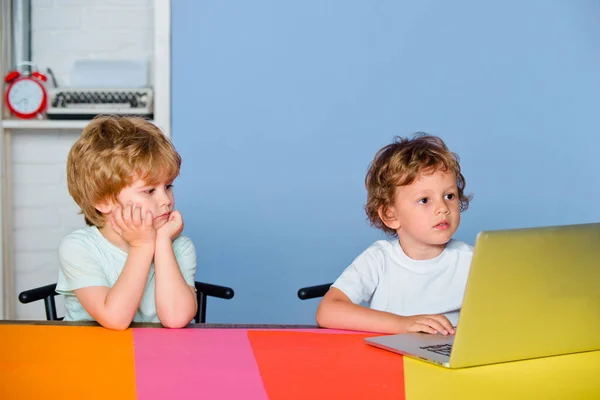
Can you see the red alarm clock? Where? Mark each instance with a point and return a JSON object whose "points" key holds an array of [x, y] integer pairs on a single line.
{"points": [[26, 95]]}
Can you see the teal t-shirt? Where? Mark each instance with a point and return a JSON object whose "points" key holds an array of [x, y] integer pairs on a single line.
{"points": [[88, 259]]}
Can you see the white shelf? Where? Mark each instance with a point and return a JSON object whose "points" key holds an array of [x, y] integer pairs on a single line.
{"points": [[44, 124]]}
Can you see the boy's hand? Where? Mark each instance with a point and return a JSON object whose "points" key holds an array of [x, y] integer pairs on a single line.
{"points": [[173, 227], [136, 229], [431, 323]]}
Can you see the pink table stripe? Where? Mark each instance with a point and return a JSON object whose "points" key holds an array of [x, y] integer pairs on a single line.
{"points": [[195, 364]]}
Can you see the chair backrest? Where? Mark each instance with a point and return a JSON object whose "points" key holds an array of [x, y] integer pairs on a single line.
{"points": [[45, 293], [203, 290], [312, 292]]}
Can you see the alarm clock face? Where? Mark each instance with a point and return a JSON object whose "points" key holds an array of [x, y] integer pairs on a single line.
{"points": [[25, 97]]}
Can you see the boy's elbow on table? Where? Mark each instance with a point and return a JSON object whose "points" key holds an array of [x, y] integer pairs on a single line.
{"points": [[116, 325], [319, 318], [324, 314], [175, 323], [324, 322]]}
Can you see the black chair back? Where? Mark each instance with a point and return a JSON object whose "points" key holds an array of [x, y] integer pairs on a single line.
{"points": [[312, 292], [203, 291]]}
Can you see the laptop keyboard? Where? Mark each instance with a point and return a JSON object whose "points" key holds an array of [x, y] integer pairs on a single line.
{"points": [[443, 349]]}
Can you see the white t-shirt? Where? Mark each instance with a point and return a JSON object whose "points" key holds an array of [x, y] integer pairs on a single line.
{"points": [[88, 259], [388, 280]]}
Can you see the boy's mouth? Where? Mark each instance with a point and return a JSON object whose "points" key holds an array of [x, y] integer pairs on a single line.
{"points": [[165, 215], [442, 225]]}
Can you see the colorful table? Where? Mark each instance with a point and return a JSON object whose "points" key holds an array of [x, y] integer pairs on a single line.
{"points": [[75, 361]]}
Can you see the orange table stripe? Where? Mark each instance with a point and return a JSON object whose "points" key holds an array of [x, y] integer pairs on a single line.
{"points": [[301, 365], [39, 362]]}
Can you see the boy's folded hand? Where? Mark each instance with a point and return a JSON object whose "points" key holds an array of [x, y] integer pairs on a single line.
{"points": [[429, 323], [173, 227], [136, 229]]}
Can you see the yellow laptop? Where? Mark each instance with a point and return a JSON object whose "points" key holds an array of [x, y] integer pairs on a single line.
{"points": [[532, 292]]}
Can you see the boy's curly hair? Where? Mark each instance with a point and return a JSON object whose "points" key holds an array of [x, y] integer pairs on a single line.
{"points": [[110, 154], [399, 164]]}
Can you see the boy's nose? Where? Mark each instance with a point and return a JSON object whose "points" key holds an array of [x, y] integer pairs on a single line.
{"points": [[442, 208], [165, 199]]}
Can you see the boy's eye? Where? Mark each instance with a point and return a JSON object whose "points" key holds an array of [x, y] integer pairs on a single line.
{"points": [[150, 191], [450, 196], [424, 200], [169, 187]]}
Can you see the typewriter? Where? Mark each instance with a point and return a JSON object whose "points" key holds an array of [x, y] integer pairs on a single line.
{"points": [[81, 103]]}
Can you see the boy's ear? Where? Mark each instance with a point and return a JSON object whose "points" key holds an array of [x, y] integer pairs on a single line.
{"points": [[389, 218], [104, 206]]}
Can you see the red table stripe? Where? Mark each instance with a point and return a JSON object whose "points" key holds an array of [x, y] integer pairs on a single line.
{"points": [[301, 365]]}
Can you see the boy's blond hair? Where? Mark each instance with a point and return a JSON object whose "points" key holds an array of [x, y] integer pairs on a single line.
{"points": [[110, 154], [399, 164]]}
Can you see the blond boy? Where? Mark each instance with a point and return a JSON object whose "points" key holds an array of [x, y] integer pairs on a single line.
{"points": [[131, 263]]}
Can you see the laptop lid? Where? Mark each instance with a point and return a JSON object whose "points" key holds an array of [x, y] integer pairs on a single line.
{"points": [[531, 293]]}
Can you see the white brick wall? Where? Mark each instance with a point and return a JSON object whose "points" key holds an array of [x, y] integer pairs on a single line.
{"points": [[66, 30], [62, 32]]}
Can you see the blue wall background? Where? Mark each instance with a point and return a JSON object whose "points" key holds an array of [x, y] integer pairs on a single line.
{"points": [[278, 108]]}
